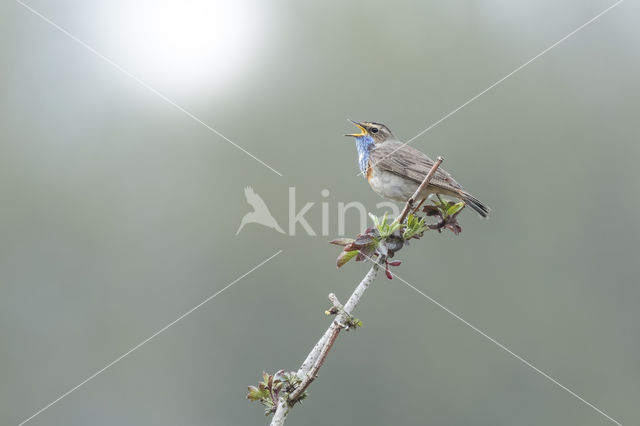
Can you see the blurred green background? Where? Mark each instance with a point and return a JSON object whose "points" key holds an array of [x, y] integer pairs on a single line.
{"points": [[119, 212]]}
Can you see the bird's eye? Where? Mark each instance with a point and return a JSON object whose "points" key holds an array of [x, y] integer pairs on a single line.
{"points": [[374, 130]]}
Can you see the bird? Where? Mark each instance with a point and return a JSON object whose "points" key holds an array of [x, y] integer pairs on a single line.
{"points": [[394, 169], [260, 213]]}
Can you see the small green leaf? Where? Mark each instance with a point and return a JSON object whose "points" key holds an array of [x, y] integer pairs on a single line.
{"points": [[346, 256], [393, 227], [375, 220], [455, 208], [256, 394], [415, 226]]}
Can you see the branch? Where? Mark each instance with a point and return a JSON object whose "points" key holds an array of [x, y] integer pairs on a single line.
{"points": [[309, 369], [315, 359], [411, 201]]}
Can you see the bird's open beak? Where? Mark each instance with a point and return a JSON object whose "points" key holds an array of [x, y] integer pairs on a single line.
{"points": [[357, 135]]}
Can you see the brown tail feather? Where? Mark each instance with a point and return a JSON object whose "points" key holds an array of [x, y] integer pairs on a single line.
{"points": [[477, 205]]}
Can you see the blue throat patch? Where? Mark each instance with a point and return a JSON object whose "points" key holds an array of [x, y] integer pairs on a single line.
{"points": [[364, 145]]}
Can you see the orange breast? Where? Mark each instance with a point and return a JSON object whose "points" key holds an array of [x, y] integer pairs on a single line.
{"points": [[369, 173]]}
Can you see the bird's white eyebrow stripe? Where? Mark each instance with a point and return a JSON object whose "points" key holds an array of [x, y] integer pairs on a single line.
{"points": [[590, 21]]}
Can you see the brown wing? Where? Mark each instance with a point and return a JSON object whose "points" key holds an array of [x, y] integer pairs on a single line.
{"points": [[404, 160]]}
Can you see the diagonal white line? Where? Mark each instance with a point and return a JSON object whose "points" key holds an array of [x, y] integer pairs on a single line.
{"points": [[590, 21], [503, 347], [139, 345], [142, 83]]}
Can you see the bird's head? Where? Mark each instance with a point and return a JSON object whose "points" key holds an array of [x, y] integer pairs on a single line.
{"points": [[375, 132]]}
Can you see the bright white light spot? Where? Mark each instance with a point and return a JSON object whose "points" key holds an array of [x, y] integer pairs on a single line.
{"points": [[186, 45]]}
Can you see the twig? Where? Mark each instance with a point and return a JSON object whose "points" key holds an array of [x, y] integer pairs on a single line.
{"points": [[331, 338], [309, 369], [335, 302], [311, 376], [421, 188], [318, 354]]}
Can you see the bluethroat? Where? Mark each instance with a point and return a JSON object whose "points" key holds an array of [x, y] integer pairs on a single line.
{"points": [[395, 170]]}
